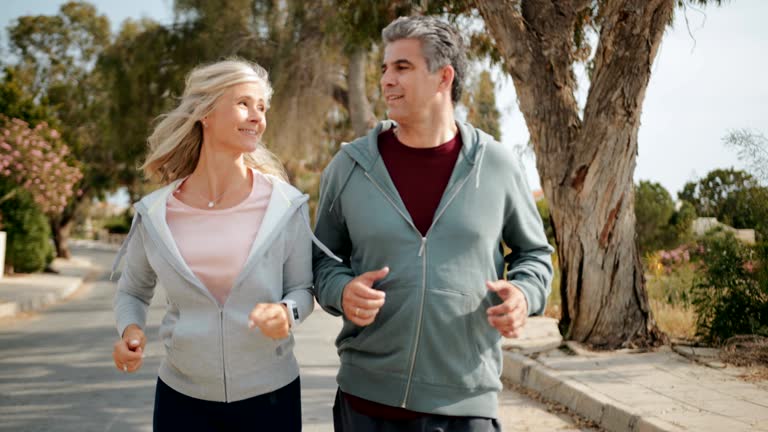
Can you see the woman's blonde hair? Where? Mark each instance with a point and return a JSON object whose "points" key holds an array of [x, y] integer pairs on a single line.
{"points": [[174, 146]]}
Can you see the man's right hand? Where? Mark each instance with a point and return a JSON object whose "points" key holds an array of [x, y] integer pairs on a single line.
{"points": [[360, 302]]}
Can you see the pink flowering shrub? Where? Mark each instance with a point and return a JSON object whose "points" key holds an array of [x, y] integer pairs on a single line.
{"points": [[666, 262], [38, 161]]}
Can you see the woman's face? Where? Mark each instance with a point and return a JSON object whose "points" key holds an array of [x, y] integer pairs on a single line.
{"points": [[238, 119]]}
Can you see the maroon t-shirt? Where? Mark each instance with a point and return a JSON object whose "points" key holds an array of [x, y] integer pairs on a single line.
{"points": [[420, 176]]}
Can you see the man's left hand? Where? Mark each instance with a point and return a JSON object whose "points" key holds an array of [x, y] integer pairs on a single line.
{"points": [[509, 317]]}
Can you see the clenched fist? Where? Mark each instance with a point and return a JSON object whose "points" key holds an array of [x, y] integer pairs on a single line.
{"points": [[272, 319], [128, 352]]}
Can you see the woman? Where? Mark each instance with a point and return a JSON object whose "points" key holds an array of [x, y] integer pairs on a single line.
{"points": [[229, 241]]}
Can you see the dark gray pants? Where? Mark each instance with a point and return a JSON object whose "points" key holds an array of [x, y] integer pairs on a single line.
{"points": [[345, 419]]}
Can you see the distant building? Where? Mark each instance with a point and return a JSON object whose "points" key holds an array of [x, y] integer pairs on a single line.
{"points": [[703, 225]]}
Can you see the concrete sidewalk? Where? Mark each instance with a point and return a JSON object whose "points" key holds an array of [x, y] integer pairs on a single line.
{"points": [[624, 391], [32, 292]]}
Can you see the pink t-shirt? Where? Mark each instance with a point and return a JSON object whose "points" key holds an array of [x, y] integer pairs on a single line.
{"points": [[215, 243]]}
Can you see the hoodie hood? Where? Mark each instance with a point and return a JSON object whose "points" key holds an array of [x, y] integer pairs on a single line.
{"points": [[365, 150], [151, 211]]}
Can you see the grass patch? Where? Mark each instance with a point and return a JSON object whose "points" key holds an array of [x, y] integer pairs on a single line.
{"points": [[669, 293], [677, 321]]}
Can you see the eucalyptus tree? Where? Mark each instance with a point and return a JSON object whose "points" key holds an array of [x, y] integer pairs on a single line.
{"points": [[586, 155]]}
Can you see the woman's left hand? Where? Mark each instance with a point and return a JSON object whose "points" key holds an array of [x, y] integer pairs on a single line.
{"points": [[272, 319]]}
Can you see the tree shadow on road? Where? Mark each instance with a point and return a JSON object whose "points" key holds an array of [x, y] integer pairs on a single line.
{"points": [[65, 380]]}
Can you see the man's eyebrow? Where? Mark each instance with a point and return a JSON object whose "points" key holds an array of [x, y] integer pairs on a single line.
{"points": [[400, 62]]}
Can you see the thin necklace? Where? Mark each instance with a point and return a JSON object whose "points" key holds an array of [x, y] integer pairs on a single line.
{"points": [[214, 201]]}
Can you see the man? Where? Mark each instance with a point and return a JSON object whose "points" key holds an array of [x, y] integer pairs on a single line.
{"points": [[418, 210]]}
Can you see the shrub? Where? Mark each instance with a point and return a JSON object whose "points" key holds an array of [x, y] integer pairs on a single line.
{"points": [[658, 224], [731, 297], [37, 160], [28, 245], [653, 210], [120, 224]]}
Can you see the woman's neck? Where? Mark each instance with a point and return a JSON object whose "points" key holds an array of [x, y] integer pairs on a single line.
{"points": [[218, 180]]}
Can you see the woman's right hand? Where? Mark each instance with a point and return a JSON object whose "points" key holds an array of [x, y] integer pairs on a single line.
{"points": [[128, 352]]}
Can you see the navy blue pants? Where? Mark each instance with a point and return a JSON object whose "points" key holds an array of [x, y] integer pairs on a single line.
{"points": [[346, 419], [279, 410]]}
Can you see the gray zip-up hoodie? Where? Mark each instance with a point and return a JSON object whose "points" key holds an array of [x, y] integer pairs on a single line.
{"points": [[430, 348], [211, 353]]}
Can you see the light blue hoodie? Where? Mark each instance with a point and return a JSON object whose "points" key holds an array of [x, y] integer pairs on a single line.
{"points": [[430, 348], [211, 353]]}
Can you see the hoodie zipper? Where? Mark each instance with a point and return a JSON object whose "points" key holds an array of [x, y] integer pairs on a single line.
{"points": [[423, 254], [279, 226], [223, 361]]}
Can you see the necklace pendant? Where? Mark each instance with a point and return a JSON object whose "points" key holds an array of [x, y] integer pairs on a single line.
{"points": [[210, 204]]}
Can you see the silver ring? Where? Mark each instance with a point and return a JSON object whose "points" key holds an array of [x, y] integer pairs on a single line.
{"points": [[125, 367]]}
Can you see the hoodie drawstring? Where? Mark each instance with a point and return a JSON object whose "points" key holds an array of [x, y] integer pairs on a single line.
{"points": [[316, 241], [479, 166]]}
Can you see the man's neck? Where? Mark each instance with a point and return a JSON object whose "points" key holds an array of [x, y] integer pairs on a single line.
{"points": [[427, 134]]}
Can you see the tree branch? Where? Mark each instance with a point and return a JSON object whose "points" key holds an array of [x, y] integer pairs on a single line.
{"points": [[629, 40], [535, 38]]}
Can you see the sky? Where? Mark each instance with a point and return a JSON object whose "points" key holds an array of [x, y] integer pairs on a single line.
{"points": [[709, 77], [702, 84]]}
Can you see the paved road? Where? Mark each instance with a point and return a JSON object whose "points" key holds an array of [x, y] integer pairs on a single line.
{"points": [[56, 372]]}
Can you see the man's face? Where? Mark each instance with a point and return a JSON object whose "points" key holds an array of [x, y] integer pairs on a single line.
{"points": [[410, 91]]}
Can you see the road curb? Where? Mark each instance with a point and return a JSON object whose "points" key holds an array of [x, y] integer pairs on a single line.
{"points": [[556, 386], [35, 291], [69, 285]]}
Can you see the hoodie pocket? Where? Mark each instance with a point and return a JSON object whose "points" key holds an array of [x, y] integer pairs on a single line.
{"points": [[446, 352], [384, 344], [193, 347], [250, 350]]}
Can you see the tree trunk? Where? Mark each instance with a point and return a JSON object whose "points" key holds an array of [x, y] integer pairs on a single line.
{"points": [[360, 112], [61, 225], [61, 231], [586, 163]]}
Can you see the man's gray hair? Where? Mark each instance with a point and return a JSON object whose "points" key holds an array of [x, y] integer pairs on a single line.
{"points": [[441, 45]]}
